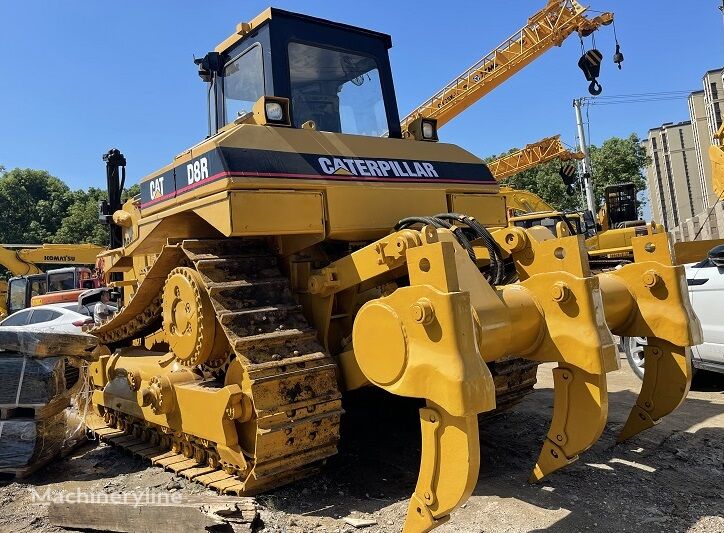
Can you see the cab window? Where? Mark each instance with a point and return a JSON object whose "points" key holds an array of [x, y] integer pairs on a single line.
{"points": [[243, 83], [17, 293], [340, 91], [62, 281], [38, 287]]}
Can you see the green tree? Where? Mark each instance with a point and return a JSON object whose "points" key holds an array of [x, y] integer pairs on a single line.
{"points": [[130, 192], [32, 205], [617, 160], [81, 225]]}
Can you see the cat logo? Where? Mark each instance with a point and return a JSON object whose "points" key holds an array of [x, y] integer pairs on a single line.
{"points": [[156, 188]]}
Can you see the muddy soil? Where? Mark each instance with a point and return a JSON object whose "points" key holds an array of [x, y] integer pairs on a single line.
{"points": [[670, 478]]}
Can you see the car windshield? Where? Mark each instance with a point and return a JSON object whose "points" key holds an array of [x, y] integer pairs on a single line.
{"points": [[340, 91]]}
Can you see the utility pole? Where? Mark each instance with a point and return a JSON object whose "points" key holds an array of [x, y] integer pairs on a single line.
{"points": [[586, 179]]}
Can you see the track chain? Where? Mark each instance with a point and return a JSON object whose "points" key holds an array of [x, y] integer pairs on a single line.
{"points": [[294, 386]]}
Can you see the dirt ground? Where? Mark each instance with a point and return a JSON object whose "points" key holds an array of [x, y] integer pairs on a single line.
{"points": [[670, 478]]}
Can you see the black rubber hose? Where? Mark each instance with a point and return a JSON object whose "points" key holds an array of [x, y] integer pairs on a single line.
{"points": [[439, 223], [425, 221], [496, 258]]}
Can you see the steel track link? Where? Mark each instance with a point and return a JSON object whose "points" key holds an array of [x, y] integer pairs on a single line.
{"points": [[294, 389]]}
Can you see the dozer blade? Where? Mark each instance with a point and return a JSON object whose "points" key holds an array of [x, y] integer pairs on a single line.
{"points": [[666, 383], [448, 468], [580, 408]]}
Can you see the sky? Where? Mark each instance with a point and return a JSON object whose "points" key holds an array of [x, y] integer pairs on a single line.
{"points": [[84, 76]]}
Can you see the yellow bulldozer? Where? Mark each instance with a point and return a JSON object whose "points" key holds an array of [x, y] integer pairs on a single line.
{"points": [[608, 237], [306, 249]]}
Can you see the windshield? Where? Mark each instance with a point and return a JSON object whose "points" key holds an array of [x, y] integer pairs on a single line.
{"points": [[17, 294], [340, 91], [243, 83], [61, 282]]}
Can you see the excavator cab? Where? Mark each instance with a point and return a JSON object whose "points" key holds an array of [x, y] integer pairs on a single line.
{"points": [[22, 289], [621, 210], [55, 286], [336, 77]]}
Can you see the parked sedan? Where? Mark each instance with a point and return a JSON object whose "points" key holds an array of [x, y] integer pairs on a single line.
{"points": [[47, 330], [706, 291]]}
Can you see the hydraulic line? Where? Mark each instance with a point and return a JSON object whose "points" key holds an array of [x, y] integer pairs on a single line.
{"points": [[496, 258]]}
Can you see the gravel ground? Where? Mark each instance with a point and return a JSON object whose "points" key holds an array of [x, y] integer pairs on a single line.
{"points": [[670, 478]]}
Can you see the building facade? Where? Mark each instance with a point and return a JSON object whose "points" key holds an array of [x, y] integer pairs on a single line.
{"points": [[705, 110], [673, 174]]}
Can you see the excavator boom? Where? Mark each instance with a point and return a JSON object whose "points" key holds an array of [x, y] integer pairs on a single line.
{"points": [[22, 260], [549, 27]]}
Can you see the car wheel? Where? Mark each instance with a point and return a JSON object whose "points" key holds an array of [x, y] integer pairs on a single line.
{"points": [[634, 349]]}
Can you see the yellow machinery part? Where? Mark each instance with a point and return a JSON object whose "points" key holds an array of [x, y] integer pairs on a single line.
{"points": [[665, 385]]}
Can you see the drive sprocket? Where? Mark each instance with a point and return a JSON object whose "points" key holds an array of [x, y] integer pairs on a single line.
{"points": [[189, 321]]}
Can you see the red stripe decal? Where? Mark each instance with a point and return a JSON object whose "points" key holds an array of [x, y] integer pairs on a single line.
{"points": [[333, 177]]}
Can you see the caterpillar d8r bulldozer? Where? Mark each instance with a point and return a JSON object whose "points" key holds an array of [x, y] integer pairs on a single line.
{"points": [[305, 249]]}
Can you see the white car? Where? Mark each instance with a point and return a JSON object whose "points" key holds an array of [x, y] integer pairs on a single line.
{"points": [[47, 330], [706, 291]]}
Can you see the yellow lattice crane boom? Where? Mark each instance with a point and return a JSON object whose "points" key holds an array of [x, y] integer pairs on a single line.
{"points": [[532, 155], [549, 27]]}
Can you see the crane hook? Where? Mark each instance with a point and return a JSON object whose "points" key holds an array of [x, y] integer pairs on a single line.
{"points": [[590, 64], [618, 56]]}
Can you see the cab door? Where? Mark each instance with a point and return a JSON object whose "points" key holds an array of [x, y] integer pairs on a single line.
{"points": [[706, 290]]}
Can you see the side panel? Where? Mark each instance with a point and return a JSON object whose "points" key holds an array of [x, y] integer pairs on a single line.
{"points": [[488, 209], [370, 212], [276, 213], [706, 289]]}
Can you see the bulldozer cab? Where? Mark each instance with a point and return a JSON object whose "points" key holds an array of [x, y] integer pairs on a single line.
{"points": [[337, 77]]}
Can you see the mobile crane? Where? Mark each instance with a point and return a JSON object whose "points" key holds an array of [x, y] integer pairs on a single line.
{"points": [[549, 27], [531, 156]]}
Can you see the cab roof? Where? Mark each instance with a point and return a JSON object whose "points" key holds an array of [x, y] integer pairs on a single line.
{"points": [[244, 28]]}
